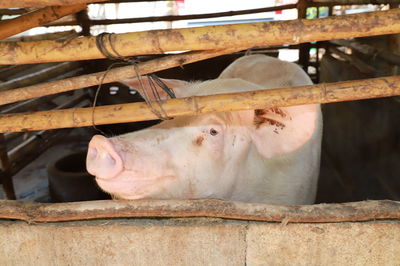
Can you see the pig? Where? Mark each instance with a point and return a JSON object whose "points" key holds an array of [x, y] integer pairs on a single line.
{"points": [[267, 155]]}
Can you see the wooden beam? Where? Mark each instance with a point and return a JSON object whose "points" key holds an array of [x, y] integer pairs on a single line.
{"points": [[33, 212], [115, 74], [42, 3], [197, 105], [203, 38], [36, 18]]}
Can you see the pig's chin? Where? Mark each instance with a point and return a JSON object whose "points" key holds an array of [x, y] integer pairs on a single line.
{"points": [[135, 188]]}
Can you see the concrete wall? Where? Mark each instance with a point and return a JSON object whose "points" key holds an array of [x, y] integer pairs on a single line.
{"points": [[198, 241]]}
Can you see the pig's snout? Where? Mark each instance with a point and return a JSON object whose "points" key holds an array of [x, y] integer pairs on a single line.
{"points": [[102, 160]]}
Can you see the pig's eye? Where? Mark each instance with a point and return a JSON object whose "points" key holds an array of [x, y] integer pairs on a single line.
{"points": [[213, 132]]}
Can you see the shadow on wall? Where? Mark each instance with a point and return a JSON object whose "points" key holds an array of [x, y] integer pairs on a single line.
{"points": [[361, 143]]}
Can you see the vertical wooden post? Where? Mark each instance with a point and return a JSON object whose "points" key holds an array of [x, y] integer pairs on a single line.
{"points": [[84, 21], [5, 176]]}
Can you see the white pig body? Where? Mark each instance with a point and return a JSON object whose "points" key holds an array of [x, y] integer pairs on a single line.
{"points": [[270, 155]]}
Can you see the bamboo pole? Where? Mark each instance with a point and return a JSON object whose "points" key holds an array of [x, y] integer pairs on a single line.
{"points": [[33, 212], [196, 105], [41, 3], [175, 18], [36, 18], [115, 74], [204, 38]]}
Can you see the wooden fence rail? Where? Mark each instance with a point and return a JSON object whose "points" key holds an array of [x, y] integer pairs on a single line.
{"points": [[33, 212]]}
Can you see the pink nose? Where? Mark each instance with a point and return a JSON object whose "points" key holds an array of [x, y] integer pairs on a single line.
{"points": [[102, 160]]}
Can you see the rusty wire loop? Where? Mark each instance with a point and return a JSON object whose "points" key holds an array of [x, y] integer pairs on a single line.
{"points": [[153, 80]]}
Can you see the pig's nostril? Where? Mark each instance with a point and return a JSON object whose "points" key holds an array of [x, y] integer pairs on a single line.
{"points": [[92, 153], [110, 159]]}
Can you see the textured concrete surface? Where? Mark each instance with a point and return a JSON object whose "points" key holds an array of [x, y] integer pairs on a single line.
{"points": [[198, 241]]}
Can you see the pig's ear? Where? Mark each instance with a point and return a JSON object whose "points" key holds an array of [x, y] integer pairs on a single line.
{"points": [[143, 87], [278, 131]]}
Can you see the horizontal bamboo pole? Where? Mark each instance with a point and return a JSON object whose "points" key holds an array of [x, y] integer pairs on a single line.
{"points": [[113, 75], [204, 38], [175, 18], [41, 3], [33, 212], [36, 18], [196, 105]]}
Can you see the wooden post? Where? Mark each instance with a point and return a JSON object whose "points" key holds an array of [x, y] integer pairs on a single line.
{"points": [[206, 38], [197, 105], [36, 18]]}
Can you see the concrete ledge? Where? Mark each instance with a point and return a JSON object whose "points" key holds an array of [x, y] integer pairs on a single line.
{"points": [[198, 241]]}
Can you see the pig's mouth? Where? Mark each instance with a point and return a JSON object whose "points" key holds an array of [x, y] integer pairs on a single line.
{"points": [[134, 188]]}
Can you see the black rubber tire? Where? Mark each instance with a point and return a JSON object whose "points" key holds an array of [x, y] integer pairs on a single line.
{"points": [[69, 181]]}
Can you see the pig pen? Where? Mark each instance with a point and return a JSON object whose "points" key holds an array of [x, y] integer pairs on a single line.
{"points": [[359, 226]]}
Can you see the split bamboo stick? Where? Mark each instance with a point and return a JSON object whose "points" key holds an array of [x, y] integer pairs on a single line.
{"points": [[196, 105], [204, 38], [41, 3], [115, 74], [36, 18]]}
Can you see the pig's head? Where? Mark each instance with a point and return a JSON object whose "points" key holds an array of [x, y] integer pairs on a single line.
{"points": [[201, 156]]}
